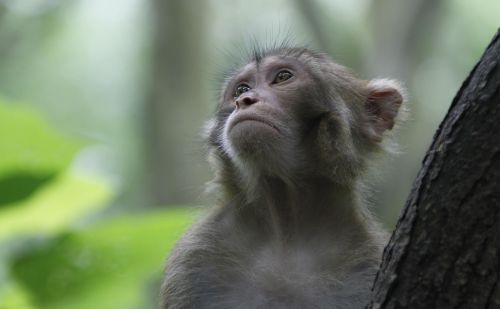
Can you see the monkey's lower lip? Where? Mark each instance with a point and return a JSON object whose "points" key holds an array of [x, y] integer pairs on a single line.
{"points": [[252, 118]]}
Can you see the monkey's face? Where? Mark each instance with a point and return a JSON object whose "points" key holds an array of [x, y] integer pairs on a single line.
{"points": [[294, 112], [266, 100]]}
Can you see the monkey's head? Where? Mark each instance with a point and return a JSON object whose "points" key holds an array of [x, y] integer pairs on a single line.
{"points": [[293, 113]]}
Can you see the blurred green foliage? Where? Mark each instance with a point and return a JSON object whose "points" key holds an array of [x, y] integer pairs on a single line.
{"points": [[110, 265], [29, 144], [46, 260], [52, 207], [39, 193], [31, 152]]}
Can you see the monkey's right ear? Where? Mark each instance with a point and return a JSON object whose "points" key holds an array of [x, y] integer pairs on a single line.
{"points": [[383, 102]]}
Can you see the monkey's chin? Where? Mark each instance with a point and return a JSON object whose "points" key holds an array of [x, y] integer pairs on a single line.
{"points": [[254, 140]]}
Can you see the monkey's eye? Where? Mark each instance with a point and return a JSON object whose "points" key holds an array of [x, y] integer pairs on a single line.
{"points": [[241, 88], [282, 76]]}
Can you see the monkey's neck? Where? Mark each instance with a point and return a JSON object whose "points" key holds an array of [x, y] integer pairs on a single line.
{"points": [[316, 207]]}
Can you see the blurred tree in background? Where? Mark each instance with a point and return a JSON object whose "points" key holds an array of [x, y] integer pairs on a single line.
{"points": [[101, 104], [177, 100]]}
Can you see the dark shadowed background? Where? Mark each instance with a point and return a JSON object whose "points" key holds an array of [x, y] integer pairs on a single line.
{"points": [[101, 105]]}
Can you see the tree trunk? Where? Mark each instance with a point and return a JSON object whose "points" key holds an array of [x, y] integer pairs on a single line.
{"points": [[445, 251], [174, 109]]}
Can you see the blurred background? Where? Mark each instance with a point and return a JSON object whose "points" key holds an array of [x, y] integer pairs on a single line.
{"points": [[101, 104]]}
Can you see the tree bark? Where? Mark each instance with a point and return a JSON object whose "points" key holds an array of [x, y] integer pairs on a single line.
{"points": [[445, 251]]}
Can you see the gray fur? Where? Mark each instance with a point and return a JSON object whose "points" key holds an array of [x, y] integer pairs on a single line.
{"points": [[290, 229]]}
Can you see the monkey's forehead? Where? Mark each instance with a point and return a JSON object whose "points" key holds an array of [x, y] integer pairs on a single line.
{"points": [[296, 52], [261, 59], [262, 63]]}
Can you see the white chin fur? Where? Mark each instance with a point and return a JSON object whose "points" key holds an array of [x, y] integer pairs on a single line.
{"points": [[249, 175]]}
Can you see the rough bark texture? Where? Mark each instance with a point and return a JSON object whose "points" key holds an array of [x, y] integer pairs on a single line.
{"points": [[445, 251]]}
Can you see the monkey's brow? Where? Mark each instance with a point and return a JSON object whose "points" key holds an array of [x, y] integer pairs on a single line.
{"points": [[241, 71], [244, 75]]}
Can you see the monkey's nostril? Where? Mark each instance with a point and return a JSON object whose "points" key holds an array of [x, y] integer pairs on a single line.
{"points": [[246, 101]]}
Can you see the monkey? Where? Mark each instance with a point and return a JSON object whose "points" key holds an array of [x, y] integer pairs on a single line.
{"points": [[291, 139]]}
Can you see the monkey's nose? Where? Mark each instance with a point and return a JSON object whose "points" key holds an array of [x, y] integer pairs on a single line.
{"points": [[246, 100]]}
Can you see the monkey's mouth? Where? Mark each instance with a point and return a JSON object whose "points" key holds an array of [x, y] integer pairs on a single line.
{"points": [[253, 118]]}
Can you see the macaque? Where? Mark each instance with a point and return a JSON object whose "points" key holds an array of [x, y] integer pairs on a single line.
{"points": [[292, 137]]}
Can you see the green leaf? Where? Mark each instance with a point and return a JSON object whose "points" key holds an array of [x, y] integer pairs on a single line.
{"points": [[55, 206], [29, 144], [117, 264]]}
